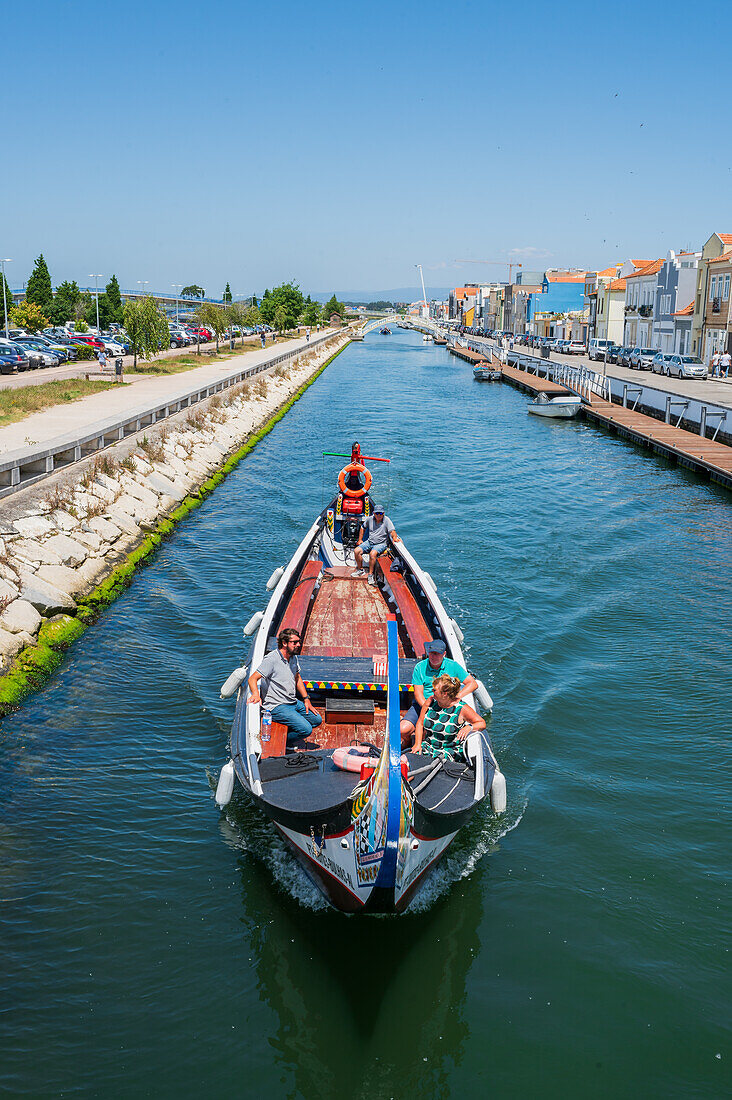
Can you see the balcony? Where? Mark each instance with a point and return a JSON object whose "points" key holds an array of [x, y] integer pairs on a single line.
{"points": [[645, 311], [716, 305]]}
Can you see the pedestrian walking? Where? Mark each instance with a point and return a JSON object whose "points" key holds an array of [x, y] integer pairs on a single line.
{"points": [[724, 364], [715, 365], [102, 359], [263, 338]]}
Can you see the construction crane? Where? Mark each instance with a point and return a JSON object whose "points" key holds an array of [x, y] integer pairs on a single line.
{"points": [[501, 263]]}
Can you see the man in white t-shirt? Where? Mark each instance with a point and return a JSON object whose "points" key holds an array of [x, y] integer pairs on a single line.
{"points": [[725, 360], [372, 540]]}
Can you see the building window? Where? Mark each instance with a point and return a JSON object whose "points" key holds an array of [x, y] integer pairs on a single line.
{"points": [[725, 293], [713, 290]]}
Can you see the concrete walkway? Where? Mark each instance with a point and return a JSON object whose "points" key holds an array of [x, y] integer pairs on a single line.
{"points": [[76, 416]]}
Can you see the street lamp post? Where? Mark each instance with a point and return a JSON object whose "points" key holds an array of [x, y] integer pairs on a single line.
{"points": [[176, 286], [96, 293], [142, 283], [5, 295], [198, 329]]}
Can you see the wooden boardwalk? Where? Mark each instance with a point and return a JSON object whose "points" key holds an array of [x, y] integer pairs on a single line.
{"points": [[468, 355], [686, 448], [531, 383], [704, 456]]}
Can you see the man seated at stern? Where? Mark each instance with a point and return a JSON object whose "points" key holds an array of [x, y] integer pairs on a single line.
{"points": [[425, 673], [372, 540], [280, 671]]}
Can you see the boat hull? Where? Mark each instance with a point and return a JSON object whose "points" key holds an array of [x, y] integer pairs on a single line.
{"points": [[556, 410]]}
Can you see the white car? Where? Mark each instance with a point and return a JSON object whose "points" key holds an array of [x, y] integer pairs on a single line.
{"points": [[686, 366], [111, 346], [575, 347], [599, 347]]}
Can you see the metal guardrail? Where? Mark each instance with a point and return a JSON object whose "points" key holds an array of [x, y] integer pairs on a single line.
{"points": [[27, 465]]}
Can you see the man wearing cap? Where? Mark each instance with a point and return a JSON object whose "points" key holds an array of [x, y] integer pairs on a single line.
{"points": [[435, 664], [372, 540]]}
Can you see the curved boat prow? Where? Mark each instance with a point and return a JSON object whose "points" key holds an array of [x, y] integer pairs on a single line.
{"points": [[388, 783]]}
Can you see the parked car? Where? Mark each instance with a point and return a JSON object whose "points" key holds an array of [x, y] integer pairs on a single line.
{"points": [[12, 357], [59, 350], [624, 355], [613, 353], [112, 346], [642, 358], [560, 346], [38, 354], [687, 366], [660, 363], [598, 348]]}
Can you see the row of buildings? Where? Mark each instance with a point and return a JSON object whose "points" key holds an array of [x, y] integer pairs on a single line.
{"points": [[677, 303]]}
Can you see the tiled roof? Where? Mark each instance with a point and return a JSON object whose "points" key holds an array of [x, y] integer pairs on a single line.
{"points": [[465, 291], [618, 284], [725, 238], [609, 271], [685, 312], [649, 269], [724, 258], [640, 263]]}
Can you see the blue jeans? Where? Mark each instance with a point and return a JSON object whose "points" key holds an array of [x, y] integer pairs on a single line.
{"points": [[299, 722]]}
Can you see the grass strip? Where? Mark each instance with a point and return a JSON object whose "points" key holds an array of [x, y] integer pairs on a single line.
{"points": [[37, 663], [16, 404]]}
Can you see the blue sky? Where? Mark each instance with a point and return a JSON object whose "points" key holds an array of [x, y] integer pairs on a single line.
{"points": [[339, 145]]}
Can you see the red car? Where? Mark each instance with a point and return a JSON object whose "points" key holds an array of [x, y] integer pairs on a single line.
{"points": [[92, 341]]}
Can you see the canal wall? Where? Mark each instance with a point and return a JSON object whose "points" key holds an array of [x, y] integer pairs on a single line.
{"points": [[74, 543]]}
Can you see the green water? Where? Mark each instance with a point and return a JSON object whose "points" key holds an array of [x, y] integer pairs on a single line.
{"points": [[578, 947]]}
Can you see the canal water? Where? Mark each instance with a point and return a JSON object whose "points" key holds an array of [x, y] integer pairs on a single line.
{"points": [[151, 946]]}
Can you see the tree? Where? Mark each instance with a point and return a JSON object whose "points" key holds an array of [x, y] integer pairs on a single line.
{"points": [[227, 299], [114, 299], [28, 315], [7, 297], [251, 317], [64, 303], [210, 316], [147, 327], [39, 289], [193, 291], [283, 306], [312, 313], [333, 306]]}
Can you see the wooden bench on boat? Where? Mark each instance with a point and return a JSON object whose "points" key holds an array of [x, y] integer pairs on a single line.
{"points": [[417, 630], [297, 609]]}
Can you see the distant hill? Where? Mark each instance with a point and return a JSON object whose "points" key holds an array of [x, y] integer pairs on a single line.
{"points": [[397, 294]]}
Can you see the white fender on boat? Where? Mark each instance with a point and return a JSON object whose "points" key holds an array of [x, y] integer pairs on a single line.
{"points": [[458, 631], [481, 694], [429, 580], [275, 578], [498, 792], [225, 786], [234, 682], [253, 623]]}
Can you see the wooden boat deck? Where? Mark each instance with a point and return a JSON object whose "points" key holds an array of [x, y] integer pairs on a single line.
{"points": [[334, 735], [348, 617]]}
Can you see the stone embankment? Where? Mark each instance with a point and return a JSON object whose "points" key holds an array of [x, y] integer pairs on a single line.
{"points": [[68, 553]]}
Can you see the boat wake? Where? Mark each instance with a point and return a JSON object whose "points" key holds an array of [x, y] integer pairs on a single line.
{"points": [[246, 829]]}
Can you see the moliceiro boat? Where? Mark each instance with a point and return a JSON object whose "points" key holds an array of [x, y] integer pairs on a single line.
{"points": [[366, 819]]}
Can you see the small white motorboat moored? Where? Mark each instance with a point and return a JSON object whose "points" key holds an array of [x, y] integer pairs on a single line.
{"points": [[561, 408]]}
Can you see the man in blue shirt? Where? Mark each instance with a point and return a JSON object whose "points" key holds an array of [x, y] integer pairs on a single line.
{"points": [[435, 664]]}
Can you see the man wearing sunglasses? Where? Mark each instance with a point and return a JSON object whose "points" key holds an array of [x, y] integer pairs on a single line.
{"points": [[280, 671]]}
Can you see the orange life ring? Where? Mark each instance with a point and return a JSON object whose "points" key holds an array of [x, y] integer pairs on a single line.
{"points": [[354, 468]]}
